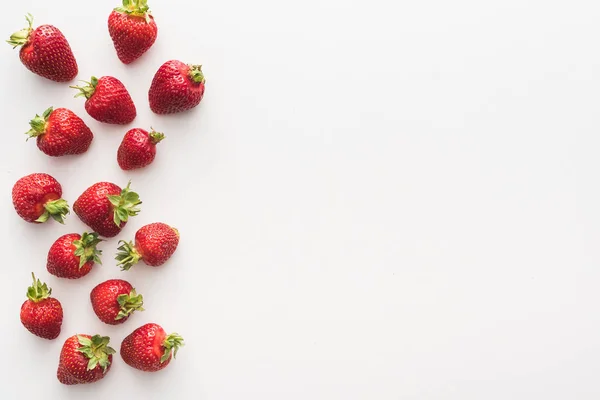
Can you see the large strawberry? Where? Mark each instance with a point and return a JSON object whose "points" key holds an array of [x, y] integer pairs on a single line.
{"points": [[37, 197], [149, 348], [107, 100], [115, 300], [84, 359], [41, 314], [72, 256], [106, 208], [154, 244], [132, 29], [138, 148], [176, 87], [60, 132], [45, 52]]}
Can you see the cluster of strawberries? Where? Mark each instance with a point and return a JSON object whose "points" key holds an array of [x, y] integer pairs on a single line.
{"points": [[104, 206]]}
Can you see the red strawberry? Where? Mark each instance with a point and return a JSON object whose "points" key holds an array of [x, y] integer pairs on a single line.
{"points": [[176, 87], [132, 29], [72, 256], [45, 52], [149, 348], [107, 100], [154, 244], [37, 197], [84, 359], [60, 132], [138, 148], [41, 314], [105, 208], [115, 300]]}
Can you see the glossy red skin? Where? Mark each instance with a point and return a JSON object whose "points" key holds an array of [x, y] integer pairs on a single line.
{"points": [[62, 261], [66, 134], [131, 35], [143, 348], [173, 90], [111, 102], [104, 300], [95, 210], [48, 54], [136, 150], [72, 365], [43, 318], [32, 192], [156, 243]]}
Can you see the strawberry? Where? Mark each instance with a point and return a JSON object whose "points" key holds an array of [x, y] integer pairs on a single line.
{"points": [[176, 87], [60, 132], [107, 100], [45, 52], [84, 359], [154, 244], [41, 314], [115, 300], [149, 348], [72, 256], [106, 208], [138, 148], [37, 197], [132, 29]]}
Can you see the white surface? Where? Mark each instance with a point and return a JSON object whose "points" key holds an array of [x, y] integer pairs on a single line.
{"points": [[374, 203]]}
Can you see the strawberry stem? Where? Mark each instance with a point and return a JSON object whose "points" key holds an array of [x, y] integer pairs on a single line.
{"points": [[85, 248], [136, 8], [96, 350], [38, 124], [127, 256], [156, 137], [125, 205], [57, 209], [172, 343], [88, 90], [21, 37], [196, 74], [129, 303], [38, 291]]}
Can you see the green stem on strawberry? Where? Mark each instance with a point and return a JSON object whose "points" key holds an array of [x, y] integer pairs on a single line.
{"points": [[57, 209], [125, 205], [96, 350], [88, 90], [136, 8], [196, 74], [172, 343], [21, 37], [38, 291], [156, 137], [127, 256], [38, 124], [129, 303], [85, 248]]}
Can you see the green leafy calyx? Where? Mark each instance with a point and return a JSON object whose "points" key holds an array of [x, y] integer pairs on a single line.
{"points": [[21, 37], [38, 291], [156, 137], [171, 344], [57, 209], [127, 256], [85, 248], [96, 350], [88, 90], [129, 303], [38, 124], [136, 8], [125, 205], [196, 74]]}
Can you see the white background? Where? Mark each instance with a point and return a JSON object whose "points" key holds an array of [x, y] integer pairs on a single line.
{"points": [[375, 201]]}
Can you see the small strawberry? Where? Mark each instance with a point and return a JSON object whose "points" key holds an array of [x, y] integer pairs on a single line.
{"points": [[37, 197], [72, 256], [45, 52], [154, 244], [60, 132], [132, 29], [115, 300], [149, 348], [138, 148], [107, 100], [106, 208], [176, 87], [41, 314], [84, 359]]}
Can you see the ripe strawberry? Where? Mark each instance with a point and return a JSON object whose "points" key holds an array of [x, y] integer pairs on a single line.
{"points": [[107, 100], [60, 132], [115, 300], [45, 52], [72, 256], [84, 359], [105, 208], [36, 198], [138, 148], [176, 87], [41, 314], [154, 244], [149, 348], [132, 29]]}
